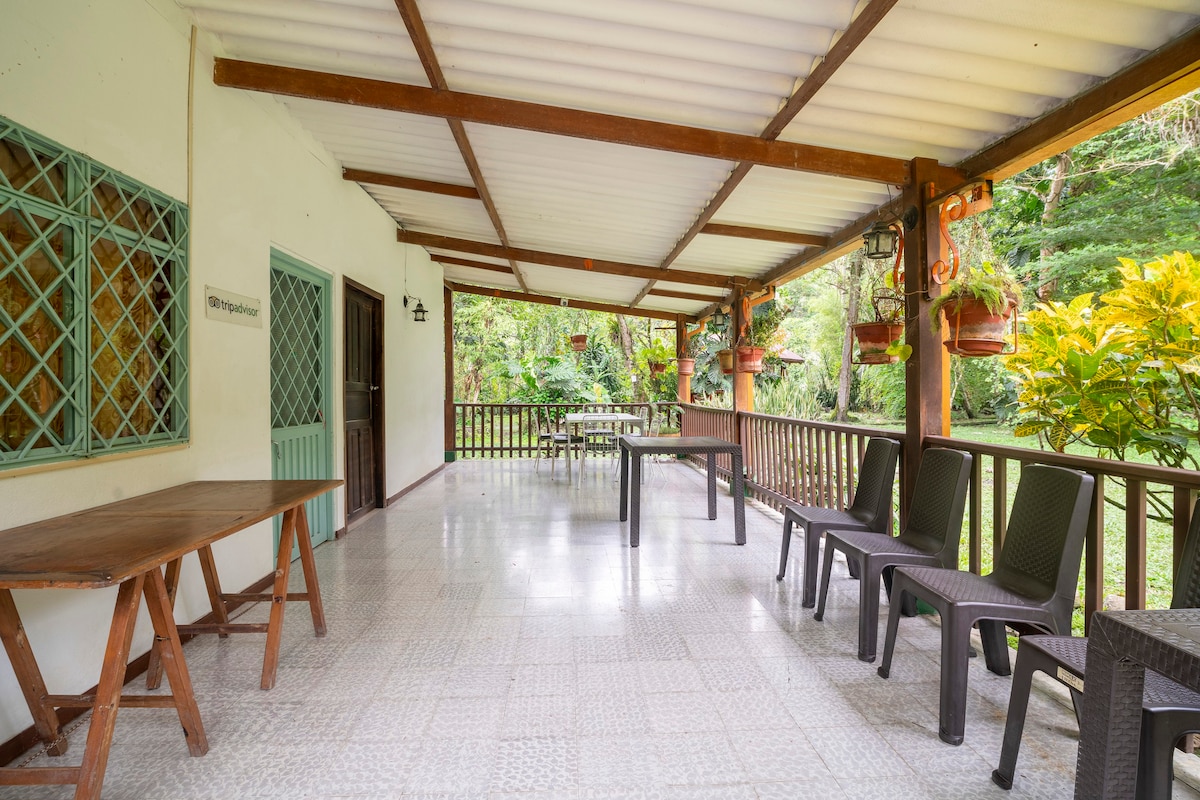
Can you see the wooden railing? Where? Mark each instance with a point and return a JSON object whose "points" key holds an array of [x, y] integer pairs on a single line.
{"points": [[816, 463], [1004, 462], [510, 430]]}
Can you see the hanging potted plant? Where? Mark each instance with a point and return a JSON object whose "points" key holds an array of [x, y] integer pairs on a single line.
{"points": [[656, 357], [579, 342], [979, 307], [726, 358], [686, 364], [879, 340], [758, 337]]}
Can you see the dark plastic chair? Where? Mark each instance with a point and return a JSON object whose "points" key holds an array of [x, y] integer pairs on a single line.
{"points": [[1168, 709], [870, 511], [1033, 583], [930, 538]]}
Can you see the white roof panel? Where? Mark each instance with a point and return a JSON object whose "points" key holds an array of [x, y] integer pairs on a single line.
{"points": [[940, 79]]}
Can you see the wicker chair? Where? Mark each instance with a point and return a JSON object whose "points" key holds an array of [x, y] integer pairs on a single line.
{"points": [[870, 511], [1168, 709], [930, 538], [1033, 584]]}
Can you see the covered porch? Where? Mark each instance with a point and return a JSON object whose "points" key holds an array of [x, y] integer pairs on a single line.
{"points": [[492, 635]]}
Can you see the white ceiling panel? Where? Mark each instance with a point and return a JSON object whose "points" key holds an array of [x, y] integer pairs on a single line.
{"points": [[940, 79], [593, 199]]}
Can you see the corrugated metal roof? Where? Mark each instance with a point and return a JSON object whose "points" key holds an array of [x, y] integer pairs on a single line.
{"points": [[935, 78]]}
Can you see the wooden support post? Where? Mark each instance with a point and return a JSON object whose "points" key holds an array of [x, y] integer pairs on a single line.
{"points": [[448, 336], [684, 393], [926, 381]]}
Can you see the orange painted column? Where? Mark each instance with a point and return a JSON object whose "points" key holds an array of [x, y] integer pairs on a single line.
{"points": [[684, 391]]}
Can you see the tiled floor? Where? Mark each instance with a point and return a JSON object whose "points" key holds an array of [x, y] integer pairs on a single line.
{"points": [[493, 636]]}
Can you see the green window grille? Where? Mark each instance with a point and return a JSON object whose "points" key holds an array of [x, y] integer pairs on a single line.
{"points": [[93, 307], [296, 348]]}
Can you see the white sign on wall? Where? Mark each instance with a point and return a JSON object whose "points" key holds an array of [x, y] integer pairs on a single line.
{"points": [[229, 307]]}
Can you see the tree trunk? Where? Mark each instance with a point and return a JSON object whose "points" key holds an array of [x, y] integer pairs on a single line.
{"points": [[846, 370], [1047, 284], [627, 351]]}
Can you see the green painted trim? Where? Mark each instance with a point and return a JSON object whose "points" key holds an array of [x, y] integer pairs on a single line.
{"points": [[451, 456], [291, 265], [69, 208]]}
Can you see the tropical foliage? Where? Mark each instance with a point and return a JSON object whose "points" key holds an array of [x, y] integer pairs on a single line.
{"points": [[1122, 375]]}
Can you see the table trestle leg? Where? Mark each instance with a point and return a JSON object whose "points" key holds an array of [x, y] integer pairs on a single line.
{"points": [[308, 564], [216, 600], [45, 718], [166, 638], [283, 564], [108, 691], [154, 669]]}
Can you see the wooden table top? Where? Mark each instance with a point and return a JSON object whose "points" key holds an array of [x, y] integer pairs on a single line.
{"points": [[678, 444], [109, 544]]}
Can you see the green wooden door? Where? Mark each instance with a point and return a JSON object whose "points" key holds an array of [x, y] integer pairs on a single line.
{"points": [[301, 437]]}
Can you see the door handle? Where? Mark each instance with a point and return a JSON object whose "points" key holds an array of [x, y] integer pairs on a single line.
{"points": [[278, 451], [374, 388]]}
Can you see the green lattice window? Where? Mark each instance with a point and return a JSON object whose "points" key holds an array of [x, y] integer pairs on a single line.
{"points": [[93, 307], [296, 348]]}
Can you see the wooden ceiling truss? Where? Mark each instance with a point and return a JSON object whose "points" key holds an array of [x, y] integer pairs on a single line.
{"points": [[1160, 76]]}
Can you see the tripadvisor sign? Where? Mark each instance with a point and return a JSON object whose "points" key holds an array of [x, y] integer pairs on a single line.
{"points": [[229, 307]]}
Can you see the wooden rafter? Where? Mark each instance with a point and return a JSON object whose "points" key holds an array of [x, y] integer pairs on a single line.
{"points": [[765, 235], [854, 34], [573, 123], [569, 262], [703, 298], [466, 262], [587, 305], [1161, 76], [424, 46], [413, 184]]}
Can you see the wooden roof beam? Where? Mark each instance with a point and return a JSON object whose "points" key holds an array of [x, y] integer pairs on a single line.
{"points": [[412, 184], [851, 38], [765, 234], [703, 298], [1160, 76], [433, 71], [587, 305], [371, 93], [1163, 75], [566, 261], [465, 262]]}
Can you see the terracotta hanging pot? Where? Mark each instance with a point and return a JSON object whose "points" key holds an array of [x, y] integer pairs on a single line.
{"points": [[579, 342], [874, 338], [974, 330], [686, 366], [726, 359], [749, 359], [657, 367]]}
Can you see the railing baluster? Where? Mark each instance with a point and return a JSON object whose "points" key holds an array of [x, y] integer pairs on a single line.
{"points": [[975, 519], [1182, 507], [1135, 544], [1093, 557], [999, 504]]}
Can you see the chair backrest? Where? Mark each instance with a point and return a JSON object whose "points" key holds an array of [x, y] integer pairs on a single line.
{"points": [[935, 515], [876, 479], [1186, 593], [1043, 546]]}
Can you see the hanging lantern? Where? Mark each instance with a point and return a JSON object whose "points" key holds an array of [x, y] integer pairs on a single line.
{"points": [[880, 241]]}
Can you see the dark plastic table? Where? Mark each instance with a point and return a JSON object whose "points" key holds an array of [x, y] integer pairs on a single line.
{"points": [[710, 446], [1122, 645]]}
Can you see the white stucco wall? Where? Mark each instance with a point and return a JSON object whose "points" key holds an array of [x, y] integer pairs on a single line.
{"points": [[110, 79]]}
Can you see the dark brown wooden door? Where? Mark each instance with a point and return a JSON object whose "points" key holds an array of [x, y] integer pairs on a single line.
{"points": [[364, 401]]}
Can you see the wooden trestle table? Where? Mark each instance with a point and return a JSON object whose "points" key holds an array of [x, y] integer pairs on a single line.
{"points": [[126, 544]]}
